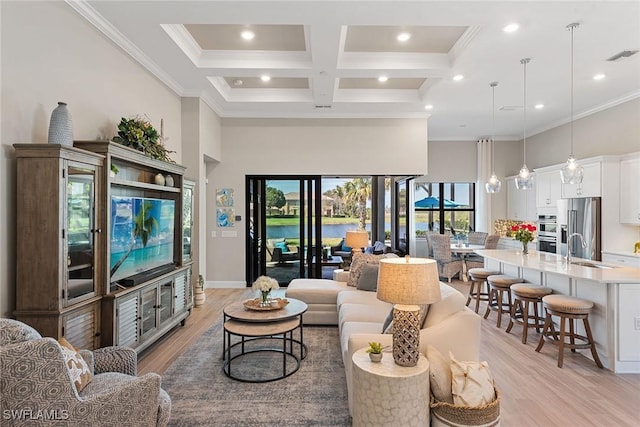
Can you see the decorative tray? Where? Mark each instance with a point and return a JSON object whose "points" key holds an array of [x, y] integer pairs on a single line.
{"points": [[256, 304]]}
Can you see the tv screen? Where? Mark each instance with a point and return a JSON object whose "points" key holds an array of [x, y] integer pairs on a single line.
{"points": [[141, 235]]}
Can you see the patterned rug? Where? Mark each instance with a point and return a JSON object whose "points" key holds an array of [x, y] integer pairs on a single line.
{"points": [[315, 395]]}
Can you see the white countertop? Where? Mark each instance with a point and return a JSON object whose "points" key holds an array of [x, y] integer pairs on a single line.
{"points": [[553, 263]]}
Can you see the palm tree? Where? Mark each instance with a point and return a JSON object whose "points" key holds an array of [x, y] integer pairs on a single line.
{"points": [[358, 191], [143, 225]]}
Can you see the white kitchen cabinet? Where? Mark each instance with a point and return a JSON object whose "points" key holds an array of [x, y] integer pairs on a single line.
{"points": [[548, 186], [630, 191], [590, 186], [521, 204], [623, 260]]}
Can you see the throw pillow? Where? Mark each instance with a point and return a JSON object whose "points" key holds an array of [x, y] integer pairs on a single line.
{"points": [[388, 323], [379, 247], [471, 383], [357, 262], [78, 368], [345, 248], [440, 375], [281, 245], [368, 280]]}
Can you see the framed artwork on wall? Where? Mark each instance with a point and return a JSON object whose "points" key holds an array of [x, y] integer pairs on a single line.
{"points": [[225, 217], [224, 197]]}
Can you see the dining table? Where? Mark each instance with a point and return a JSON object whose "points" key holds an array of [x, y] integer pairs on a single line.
{"points": [[463, 250]]}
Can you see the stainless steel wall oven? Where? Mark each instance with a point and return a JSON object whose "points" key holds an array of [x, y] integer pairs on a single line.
{"points": [[547, 233]]}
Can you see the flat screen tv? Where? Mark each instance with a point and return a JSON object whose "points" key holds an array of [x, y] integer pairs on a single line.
{"points": [[142, 235]]}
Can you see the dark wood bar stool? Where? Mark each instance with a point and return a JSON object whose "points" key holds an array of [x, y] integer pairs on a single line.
{"points": [[499, 285], [567, 308], [479, 290], [527, 296]]}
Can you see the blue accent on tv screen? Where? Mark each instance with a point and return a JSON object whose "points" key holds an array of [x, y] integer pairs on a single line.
{"points": [[156, 218]]}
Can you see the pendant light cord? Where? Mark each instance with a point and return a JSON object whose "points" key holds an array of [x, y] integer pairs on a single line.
{"points": [[524, 109], [571, 28], [493, 125]]}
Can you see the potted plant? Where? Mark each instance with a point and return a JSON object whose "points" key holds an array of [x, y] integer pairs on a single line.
{"points": [[114, 170], [139, 134], [199, 292], [375, 351]]}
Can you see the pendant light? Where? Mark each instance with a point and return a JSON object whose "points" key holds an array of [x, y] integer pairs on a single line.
{"points": [[572, 172], [493, 185], [524, 180]]}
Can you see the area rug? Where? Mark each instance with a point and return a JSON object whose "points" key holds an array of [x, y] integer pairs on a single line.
{"points": [[315, 395]]}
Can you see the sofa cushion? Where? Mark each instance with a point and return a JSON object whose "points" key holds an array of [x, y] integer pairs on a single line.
{"points": [[350, 312], [471, 383], [358, 297], [315, 291], [351, 328], [451, 301], [368, 280]]}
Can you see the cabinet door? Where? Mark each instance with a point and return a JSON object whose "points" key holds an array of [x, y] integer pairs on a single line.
{"points": [[181, 293], [629, 191], [81, 327], [80, 233], [548, 187], [149, 303], [165, 308], [590, 186], [187, 219], [127, 320]]}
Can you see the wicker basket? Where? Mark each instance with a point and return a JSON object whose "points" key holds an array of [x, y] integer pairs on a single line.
{"points": [[447, 414]]}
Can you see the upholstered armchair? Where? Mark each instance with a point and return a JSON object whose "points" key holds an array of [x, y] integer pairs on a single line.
{"points": [[448, 265], [37, 386]]}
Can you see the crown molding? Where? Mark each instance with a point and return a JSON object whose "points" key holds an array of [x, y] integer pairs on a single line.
{"points": [[90, 14]]}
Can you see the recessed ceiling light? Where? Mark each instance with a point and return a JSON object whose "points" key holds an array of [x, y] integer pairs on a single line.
{"points": [[403, 37], [458, 77], [383, 79], [599, 77], [428, 107], [265, 78], [238, 82], [539, 106], [511, 28], [247, 35]]}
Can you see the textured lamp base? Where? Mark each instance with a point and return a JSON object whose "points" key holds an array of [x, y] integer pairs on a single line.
{"points": [[406, 334]]}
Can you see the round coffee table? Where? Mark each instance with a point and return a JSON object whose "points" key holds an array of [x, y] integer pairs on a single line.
{"points": [[268, 327]]}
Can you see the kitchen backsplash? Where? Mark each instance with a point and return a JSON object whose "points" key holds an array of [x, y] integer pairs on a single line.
{"points": [[503, 226]]}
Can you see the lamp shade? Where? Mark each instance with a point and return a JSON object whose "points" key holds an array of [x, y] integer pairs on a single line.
{"points": [[357, 238], [408, 281]]}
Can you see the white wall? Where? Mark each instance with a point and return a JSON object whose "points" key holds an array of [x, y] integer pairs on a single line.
{"points": [[302, 147], [51, 54]]}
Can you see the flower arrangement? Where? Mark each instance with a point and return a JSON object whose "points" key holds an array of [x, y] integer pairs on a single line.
{"points": [[265, 285], [139, 134], [524, 233]]}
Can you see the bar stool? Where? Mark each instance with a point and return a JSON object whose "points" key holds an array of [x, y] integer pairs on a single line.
{"points": [[499, 285], [478, 277], [567, 308], [524, 295]]}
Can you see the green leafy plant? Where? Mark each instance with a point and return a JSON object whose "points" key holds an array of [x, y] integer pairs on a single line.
{"points": [[114, 168], [374, 347], [139, 134]]}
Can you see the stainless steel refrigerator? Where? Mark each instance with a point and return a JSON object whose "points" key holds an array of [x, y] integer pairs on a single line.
{"points": [[581, 215]]}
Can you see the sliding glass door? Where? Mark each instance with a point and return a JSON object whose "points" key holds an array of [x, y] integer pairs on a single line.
{"points": [[284, 227]]}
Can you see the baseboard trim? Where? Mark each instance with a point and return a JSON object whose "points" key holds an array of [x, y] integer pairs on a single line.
{"points": [[221, 284]]}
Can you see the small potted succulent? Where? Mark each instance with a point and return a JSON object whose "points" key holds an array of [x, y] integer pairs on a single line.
{"points": [[375, 351]]}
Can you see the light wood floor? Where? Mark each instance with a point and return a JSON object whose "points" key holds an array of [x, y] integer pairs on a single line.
{"points": [[535, 392]]}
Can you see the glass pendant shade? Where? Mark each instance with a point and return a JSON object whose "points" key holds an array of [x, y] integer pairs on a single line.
{"points": [[524, 180], [572, 172], [493, 185]]}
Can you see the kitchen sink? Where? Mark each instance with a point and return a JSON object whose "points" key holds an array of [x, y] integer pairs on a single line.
{"points": [[591, 265]]}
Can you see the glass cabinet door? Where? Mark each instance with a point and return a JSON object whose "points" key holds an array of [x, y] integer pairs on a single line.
{"points": [[187, 219], [80, 229], [166, 301], [149, 313]]}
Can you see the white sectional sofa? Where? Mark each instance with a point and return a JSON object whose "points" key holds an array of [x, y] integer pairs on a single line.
{"points": [[359, 315]]}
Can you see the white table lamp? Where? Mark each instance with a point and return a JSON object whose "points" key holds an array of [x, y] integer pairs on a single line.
{"points": [[407, 282], [357, 239]]}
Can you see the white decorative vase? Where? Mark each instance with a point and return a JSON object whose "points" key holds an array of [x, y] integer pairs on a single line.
{"points": [[60, 127], [168, 181], [159, 179], [200, 297], [375, 357]]}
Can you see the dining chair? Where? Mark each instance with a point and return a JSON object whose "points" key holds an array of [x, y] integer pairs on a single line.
{"points": [[448, 265], [475, 260], [477, 237]]}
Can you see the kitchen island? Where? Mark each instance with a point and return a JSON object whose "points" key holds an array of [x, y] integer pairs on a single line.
{"points": [[614, 290]]}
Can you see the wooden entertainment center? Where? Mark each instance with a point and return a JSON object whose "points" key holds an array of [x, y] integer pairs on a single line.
{"points": [[65, 198]]}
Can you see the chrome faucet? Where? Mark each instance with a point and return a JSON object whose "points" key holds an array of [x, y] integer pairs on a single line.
{"points": [[584, 245]]}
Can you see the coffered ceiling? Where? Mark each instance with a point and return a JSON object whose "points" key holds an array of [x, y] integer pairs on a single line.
{"points": [[343, 59]]}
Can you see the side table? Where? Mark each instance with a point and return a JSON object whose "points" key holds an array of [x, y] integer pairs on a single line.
{"points": [[339, 275], [386, 394]]}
